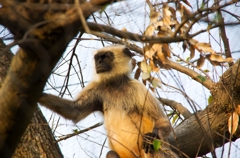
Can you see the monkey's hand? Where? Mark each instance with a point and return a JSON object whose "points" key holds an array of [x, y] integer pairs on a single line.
{"points": [[148, 140]]}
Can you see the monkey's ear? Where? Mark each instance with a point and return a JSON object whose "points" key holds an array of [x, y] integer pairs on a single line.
{"points": [[128, 52]]}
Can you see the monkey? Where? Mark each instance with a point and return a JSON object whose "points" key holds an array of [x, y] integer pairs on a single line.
{"points": [[131, 112]]}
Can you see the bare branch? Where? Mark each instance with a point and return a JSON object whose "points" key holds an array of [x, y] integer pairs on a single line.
{"points": [[178, 106], [208, 83], [79, 132]]}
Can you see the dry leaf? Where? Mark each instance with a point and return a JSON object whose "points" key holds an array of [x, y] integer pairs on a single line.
{"points": [[185, 45], [161, 33], [166, 12], [145, 67], [192, 41], [183, 29], [145, 75], [149, 30], [124, 29], [154, 15], [157, 47], [166, 51], [153, 66], [186, 2], [137, 73], [156, 82], [215, 63], [152, 89], [233, 123], [200, 61], [144, 82], [185, 13], [133, 62], [238, 109], [192, 51], [173, 11], [166, 15], [149, 53], [161, 57], [204, 47], [218, 58]]}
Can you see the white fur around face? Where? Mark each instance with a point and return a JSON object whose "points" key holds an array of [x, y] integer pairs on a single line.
{"points": [[122, 63]]}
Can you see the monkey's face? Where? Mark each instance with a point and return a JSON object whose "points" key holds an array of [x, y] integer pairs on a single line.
{"points": [[112, 61], [103, 61]]}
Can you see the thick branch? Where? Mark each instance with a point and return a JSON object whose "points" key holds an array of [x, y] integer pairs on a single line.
{"points": [[213, 119], [133, 36]]}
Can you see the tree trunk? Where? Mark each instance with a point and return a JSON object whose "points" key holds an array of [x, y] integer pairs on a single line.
{"points": [[37, 140]]}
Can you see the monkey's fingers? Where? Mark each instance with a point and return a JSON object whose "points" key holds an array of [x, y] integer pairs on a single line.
{"points": [[148, 139], [148, 148]]}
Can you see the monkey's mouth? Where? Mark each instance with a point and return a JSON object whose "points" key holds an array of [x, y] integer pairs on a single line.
{"points": [[101, 70]]}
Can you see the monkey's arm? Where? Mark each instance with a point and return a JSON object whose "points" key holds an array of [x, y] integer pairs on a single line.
{"points": [[72, 110], [162, 127]]}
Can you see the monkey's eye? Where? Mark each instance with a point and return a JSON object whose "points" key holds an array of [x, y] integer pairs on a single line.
{"points": [[106, 56], [96, 57]]}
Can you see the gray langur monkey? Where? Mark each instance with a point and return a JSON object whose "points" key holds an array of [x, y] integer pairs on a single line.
{"points": [[131, 113]]}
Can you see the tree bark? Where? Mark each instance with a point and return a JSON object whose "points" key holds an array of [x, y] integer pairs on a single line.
{"points": [[37, 140]]}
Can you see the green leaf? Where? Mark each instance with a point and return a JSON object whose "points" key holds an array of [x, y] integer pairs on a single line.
{"points": [[174, 118], [171, 112], [210, 99], [202, 78], [103, 8], [209, 27], [206, 70], [156, 144], [75, 130], [202, 5]]}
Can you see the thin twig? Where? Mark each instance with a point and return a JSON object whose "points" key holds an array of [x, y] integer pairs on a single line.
{"points": [[79, 132]]}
